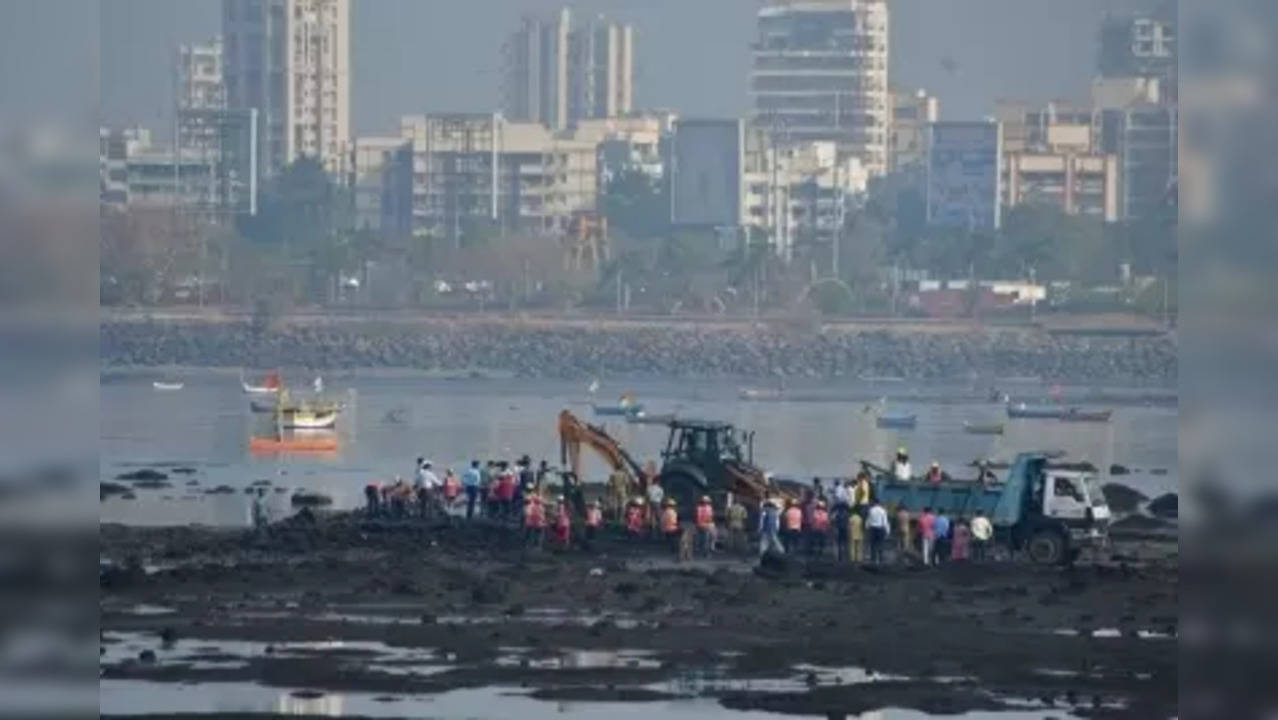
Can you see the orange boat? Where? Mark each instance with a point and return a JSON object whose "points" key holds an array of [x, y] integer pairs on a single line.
{"points": [[311, 444]]}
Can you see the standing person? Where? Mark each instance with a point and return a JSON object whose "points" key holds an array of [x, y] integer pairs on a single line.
{"points": [[259, 514], [856, 545], [543, 470], [452, 490], [705, 525], [505, 491], [634, 518], [901, 470], [594, 521], [618, 493], [841, 518], [398, 498], [419, 486], [904, 534], [372, 498], [792, 531], [818, 490], [982, 532], [428, 485], [488, 488], [861, 494], [534, 522], [670, 525], [563, 522], [934, 474], [877, 523], [735, 516], [927, 535], [962, 539], [656, 498], [942, 550], [769, 527], [471, 481], [842, 495], [819, 530]]}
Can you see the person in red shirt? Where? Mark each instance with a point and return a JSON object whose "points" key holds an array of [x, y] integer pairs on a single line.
{"points": [[934, 474], [705, 525], [534, 522], [452, 489], [927, 534], [634, 519], [594, 521], [506, 491], [670, 525], [818, 530], [792, 527], [563, 523]]}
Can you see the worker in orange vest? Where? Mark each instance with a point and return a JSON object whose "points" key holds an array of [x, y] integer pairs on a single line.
{"points": [[534, 521], [563, 523], [819, 530], [634, 518], [705, 525], [792, 526], [594, 521], [670, 525]]}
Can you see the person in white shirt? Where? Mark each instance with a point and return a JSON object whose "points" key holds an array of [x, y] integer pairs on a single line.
{"points": [[901, 468], [982, 533], [656, 495], [427, 484], [877, 523]]}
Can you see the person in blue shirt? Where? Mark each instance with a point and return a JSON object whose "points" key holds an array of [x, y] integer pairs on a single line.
{"points": [[943, 536], [470, 482], [770, 528]]}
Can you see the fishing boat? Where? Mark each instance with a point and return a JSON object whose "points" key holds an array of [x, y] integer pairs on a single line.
{"points": [[167, 386], [897, 422], [643, 418], [983, 428], [749, 393], [269, 386], [1087, 416], [325, 443], [1035, 412], [306, 419], [624, 407]]}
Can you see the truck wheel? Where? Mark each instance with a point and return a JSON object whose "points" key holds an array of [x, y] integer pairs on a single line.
{"points": [[1046, 547]]}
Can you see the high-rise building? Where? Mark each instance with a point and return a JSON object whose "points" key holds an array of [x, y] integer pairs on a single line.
{"points": [[557, 74], [820, 73], [1141, 45], [602, 62], [199, 76], [290, 59], [535, 78]]}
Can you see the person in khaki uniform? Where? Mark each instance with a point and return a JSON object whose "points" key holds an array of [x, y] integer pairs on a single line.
{"points": [[856, 538], [618, 493], [735, 515]]}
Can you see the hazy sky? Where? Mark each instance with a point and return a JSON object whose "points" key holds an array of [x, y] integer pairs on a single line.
{"points": [[412, 56]]}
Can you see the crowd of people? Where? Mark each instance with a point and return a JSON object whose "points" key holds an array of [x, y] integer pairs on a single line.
{"points": [[845, 521]]}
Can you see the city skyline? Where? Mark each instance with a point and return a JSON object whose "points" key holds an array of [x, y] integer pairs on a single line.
{"points": [[138, 38]]}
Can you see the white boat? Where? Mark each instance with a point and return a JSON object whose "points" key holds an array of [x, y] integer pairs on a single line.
{"points": [[269, 387], [167, 386], [309, 420]]}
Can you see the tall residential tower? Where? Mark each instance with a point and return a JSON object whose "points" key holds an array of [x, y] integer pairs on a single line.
{"points": [[290, 59], [820, 73]]}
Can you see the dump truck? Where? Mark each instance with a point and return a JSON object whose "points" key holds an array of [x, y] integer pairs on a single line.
{"points": [[1046, 509]]}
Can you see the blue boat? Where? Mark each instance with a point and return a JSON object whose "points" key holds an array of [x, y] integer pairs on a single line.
{"points": [[1035, 412], [897, 422]]}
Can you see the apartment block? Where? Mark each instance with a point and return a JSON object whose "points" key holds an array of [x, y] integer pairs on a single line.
{"points": [[464, 173], [290, 60], [819, 73], [912, 112]]}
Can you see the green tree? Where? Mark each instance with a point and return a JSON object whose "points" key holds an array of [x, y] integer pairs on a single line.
{"points": [[636, 206]]}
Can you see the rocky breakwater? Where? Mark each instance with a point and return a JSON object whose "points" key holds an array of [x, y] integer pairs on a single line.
{"points": [[569, 350]]}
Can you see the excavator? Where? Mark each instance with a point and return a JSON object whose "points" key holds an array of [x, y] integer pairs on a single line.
{"points": [[700, 458]]}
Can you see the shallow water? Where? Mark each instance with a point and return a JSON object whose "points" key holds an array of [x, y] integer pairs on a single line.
{"points": [[392, 420]]}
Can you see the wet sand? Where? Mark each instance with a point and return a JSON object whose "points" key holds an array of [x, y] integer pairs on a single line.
{"points": [[398, 610]]}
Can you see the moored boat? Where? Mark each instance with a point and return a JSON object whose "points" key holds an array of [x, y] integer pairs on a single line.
{"points": [[302, 419], [1035, 412], [269, 386], [983, 428], [897, 422], [309, 444], [1087, 416], [167, 386]]}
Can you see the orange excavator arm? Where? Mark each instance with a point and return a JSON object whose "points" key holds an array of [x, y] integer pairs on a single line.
{"points": [[573, 433]]}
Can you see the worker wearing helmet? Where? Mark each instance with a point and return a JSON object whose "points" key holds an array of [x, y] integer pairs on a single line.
{"points": [[792, 526], [563, 522], [735, 515], [901, 466], [634, 518], [819, 529], [534, 521], [656, 496], [594, 522], [770, 527], [670, 525], [934, 474], [705, 525]]}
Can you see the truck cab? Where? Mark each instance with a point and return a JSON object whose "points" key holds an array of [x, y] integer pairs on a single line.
{"points": [[1063, 511]]}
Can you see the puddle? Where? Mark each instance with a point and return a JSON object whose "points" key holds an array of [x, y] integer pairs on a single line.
{"points": [[1109, 633], [579, 659]]}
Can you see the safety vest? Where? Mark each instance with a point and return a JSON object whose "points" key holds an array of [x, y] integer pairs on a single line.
{"points": [[451, 487], [562, 520], [705, 515], [594, 517], [669, 520], [820, 520], [793, 518], [535, 515]]}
